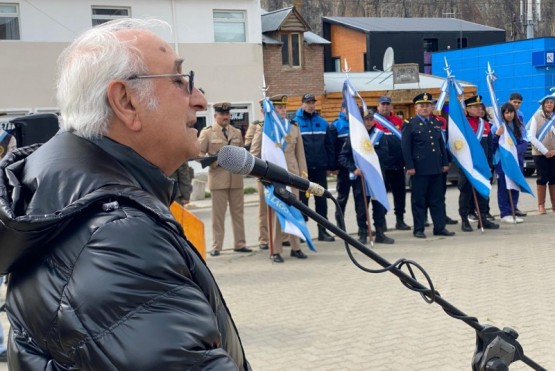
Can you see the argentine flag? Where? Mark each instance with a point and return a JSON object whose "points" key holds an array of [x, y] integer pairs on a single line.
{"points": [[506, 153], [465, 147], [364, 154], [274, 131], [387, 124], [509, 162]]}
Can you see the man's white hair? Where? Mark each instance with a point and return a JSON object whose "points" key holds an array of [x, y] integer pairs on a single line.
{"points": [[87, 66]]}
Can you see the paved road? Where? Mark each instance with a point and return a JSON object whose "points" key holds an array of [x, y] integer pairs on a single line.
{"points": [[325, 314]]}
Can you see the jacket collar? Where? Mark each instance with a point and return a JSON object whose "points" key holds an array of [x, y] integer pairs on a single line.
{"points": [[148, 176]]}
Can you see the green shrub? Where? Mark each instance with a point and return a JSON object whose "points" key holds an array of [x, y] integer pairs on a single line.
{"points": [[250, 190]]}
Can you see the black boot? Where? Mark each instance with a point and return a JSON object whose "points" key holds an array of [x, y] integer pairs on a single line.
{"points": [[487, 224], [401, 225], [363, 238], [382, 238], [323, 235], [465, 224]]}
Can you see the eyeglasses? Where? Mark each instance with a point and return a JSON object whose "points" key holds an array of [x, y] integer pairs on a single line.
{"points": [[190, 83]]}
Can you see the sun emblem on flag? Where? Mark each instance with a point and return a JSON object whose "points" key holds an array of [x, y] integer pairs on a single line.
{"points": [[459, 144], [367, 146], [509, 141]]}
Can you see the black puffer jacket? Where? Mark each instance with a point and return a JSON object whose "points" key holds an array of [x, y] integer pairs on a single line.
{"points": [[101, 277]]}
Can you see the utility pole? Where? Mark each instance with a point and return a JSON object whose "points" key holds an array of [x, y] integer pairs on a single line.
{"points": [[530, 15]]}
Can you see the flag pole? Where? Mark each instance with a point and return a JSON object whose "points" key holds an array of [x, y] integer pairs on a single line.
{"points": [[368, 220], [477, 210], [269, 216]]}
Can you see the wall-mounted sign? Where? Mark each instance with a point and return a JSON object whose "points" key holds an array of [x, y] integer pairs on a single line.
{"points": [[544, 58], [406, 73]]}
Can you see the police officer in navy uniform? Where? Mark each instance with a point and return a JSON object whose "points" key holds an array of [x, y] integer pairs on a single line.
{"points": [[320, 154], [340, 134], [425, 161]]}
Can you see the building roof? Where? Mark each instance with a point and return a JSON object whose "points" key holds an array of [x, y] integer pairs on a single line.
{"points": [[272, 21], [398, 24], [309, 38], [377, 81]]}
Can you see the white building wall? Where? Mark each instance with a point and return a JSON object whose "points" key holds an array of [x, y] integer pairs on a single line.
{"points": [[226, 71]]}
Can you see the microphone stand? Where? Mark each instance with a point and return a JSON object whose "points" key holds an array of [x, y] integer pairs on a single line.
{"points": [[495, 349]]}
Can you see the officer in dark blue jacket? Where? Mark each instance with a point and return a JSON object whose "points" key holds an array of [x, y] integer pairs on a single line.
{"points": [[340, 134], [346, 160], [320, 154], [425, 161]]}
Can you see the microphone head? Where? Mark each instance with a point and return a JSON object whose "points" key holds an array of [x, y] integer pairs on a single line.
{"points": [[236, 160]]}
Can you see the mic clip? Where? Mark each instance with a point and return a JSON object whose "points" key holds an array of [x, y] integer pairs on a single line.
{"points": [[497, 349]]}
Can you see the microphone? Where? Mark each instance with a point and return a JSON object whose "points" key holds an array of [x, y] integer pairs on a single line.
{"points": [[238, 160]]}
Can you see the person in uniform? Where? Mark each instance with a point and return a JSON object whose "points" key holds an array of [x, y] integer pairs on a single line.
{"points": [[394, 165], [263, 239], [257, 125], [226, 188], [475, 111], [183, 178], [340, 133], [320, 154], [437, 115], [425, 161], [296, 164], [249, 135], [347, 161]]}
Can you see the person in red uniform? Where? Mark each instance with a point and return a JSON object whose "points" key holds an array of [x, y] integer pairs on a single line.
{"points": [[475, 110], [394, 165]]}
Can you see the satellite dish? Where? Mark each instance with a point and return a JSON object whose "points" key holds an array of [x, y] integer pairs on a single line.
{"points": [[388, 59]]}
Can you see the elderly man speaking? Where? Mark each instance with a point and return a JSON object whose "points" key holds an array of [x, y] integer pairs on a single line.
{"points": [[101, 276]]}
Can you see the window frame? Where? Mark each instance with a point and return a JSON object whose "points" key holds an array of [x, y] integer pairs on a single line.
{"points": [[290, 52], [107, 18], [15, 16], [230, 20]]}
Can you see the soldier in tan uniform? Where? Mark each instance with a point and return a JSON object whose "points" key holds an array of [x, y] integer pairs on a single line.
{"points": [[226, 188], [262, 206], [249, 135], [296, 164]]}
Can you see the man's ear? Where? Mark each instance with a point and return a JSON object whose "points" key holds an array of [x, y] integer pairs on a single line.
{"points": [[124, 104]]}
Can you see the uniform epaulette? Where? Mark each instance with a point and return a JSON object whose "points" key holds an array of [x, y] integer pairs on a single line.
{"points": [[206, 128], [407, 121], [260, 123]]}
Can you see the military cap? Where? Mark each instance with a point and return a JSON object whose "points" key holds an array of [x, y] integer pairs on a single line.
{"points": [[279, 100], [308, 98], [222, 107], [473, 101], [423, 98]]}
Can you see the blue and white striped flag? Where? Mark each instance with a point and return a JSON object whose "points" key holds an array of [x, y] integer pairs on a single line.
{"points": [[506, 153], [387, 124], [274, 132], [364, 155], [465, 147]]}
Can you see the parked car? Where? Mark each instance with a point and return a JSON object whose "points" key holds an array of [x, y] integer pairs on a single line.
{"points": [[529, 166]]}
